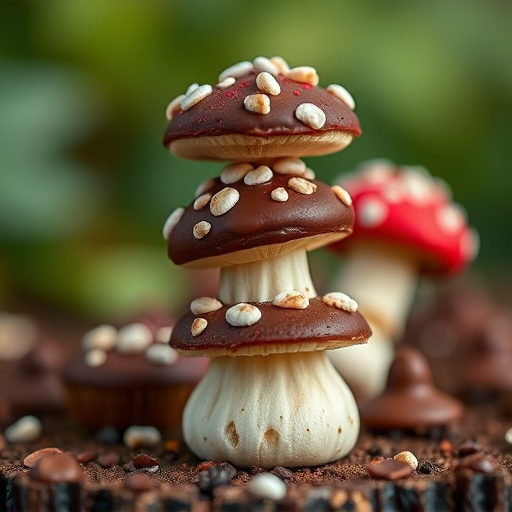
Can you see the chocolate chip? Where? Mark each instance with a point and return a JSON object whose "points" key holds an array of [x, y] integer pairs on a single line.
{"points": [[57, 468], [108, 460], [143, 461], [389, 469], [283, 473], [215, 476], [469, 448], [86, 456], [139, 482], [428, 467]]}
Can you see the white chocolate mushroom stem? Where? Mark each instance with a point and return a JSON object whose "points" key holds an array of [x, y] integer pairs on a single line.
{"points": [[262, 280], [311, 419]]}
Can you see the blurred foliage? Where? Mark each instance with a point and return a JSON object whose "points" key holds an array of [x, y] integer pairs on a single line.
{"points": [[85, 184]]}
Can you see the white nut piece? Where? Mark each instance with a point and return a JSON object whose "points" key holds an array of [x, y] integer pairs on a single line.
{"points": [[302, 186], [408, 458], [291, 300], [95, 357], [163, 334], [234, 172], [102, 337], [289, 165], [161, 354], [340, 301], [281, 64], [260, 175], [340, 92], [267, 83], [202, 201], [279, 194], [174, 107], [242, 315], [257, 103], [227, 82], [191, 88], [310, 114], [133, 338], [201, 229], [309, 174], [223, 201], [26, 430], [237, 70], [267, 485], [203, 305], [204, 186], [196, 96], [138, 436], [342, 195], [264, 64], [172, 222], [304, 74], [198, 326], [508, 436]]}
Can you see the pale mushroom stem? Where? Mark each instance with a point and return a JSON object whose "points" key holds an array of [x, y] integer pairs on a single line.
{"points": [[262, 280], [276, 410]]}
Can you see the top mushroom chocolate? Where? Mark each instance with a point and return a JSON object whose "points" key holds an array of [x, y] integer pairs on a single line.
{"points": [[258, 110]]}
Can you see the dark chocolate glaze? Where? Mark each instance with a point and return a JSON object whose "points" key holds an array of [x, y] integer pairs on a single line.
{"points": [[318, 324], [223, 113], [257, 220]]}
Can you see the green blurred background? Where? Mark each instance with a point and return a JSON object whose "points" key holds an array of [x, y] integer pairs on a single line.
{"points": [[85, 184]]}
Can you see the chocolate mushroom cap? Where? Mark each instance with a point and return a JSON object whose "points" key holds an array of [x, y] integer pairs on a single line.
{"points": [[220, 127], [255, 226], [410, 400]]}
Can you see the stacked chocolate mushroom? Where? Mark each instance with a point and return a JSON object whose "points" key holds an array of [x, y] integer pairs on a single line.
{"points": [[271, 397]]}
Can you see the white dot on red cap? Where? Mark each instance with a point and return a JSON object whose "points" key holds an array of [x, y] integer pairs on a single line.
{"points": [[451, 217], [371, 212]]}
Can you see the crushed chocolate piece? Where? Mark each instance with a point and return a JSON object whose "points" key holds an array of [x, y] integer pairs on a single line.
{"points": [[57, 468], [389, 469], [108, 459], [143, 461], [139, 482], [215, 476], [32, 458]]}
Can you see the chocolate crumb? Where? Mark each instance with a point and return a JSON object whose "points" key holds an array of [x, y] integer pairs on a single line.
{"points": [[469, 448], [139, 482], [389, 469], [86, 456], [215, 476], [283, 473], [32, 458], [108, 435], [143, 461], [57, 468], [107, 460]]}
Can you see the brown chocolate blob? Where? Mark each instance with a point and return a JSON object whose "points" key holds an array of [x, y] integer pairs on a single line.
{"points": [[410, 400], [57, 468]]}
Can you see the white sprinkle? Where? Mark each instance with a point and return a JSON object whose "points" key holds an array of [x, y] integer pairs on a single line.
{"points": [[196, 96], [508, 436], [227, 82], [281, 65], [158, 353], [264, 64], [309, 174], [267, 83], [26, 430], [234, 172], [279, 194], [237, 70], [198, 326], [289, 165], [133, 338], [191, 89], [172, 222], [138, 436], [223, 201], [302, 186], [260, 175], [203, 305], [303, 74], [451, 217], [310, 114], [103, 337], [202, 201], [201, 229], [371, 212], [408, 458], [418, 183], [267, 485], [163, 335], [470, 244], [242, 315], [257, 103], [340, 92], [340, 301], [204, 186], [342, 195], [291, 300], [174, 107], [95, 357]]}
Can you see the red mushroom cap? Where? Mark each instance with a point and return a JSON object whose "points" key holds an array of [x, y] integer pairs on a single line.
{"points": [[405, 206]]}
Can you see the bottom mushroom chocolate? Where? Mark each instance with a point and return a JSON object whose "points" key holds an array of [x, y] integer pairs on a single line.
{"points": [[271, 397]]}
